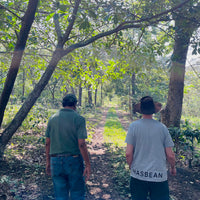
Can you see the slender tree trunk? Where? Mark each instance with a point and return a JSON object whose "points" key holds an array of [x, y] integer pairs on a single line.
{"points": [[101, 93], [72, 90], [17, 56], [133, 92], [171, 115], [90, 95], [95, 97], [23, 86], [129, 100], [80, 95]]}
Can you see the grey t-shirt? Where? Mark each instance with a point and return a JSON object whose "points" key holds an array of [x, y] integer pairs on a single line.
{"points": [[149, 139]]}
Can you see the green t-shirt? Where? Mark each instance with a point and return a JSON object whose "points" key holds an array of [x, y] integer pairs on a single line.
{"points": [[64, 129]]}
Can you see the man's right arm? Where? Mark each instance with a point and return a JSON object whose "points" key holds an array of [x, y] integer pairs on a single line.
{"points": [[84, 153], [171, 159], [129, 154]]}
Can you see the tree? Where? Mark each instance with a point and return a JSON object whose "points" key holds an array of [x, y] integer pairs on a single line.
{"points": [[27, 21], [184, 28], [86, 19]]}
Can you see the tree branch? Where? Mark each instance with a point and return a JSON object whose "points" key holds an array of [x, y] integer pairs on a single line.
{"points": [[3, 7], [100, 35], [157, 15], [138, 43], [70, 26], [57, 28], [122, 26]]}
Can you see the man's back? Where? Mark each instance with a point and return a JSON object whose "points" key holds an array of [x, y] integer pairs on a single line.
{"points": [[149, 138], [65, 128], [149, 144]]}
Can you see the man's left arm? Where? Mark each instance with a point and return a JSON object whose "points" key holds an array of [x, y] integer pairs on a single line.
{"points": [[129, 154], [85, 155], [47, 148]]}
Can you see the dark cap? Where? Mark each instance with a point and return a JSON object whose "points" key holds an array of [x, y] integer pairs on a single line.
{"points": [[69, 100]]}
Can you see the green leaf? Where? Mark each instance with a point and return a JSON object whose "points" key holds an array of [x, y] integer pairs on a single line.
{"points": [[63, 7], [115, 19], [92, 14], [84, 25], [49, 16]]}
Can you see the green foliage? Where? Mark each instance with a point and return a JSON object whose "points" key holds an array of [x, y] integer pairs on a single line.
{"points": [[186, 141], [10, 112], [121, 170], [191, 93], [37, 119]]}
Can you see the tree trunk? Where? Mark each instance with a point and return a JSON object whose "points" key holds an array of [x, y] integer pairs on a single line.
{"points": [[23, 85], [80, 95], [29, 102], [171, 115], [90, 95], [133, 92], [73, 91], [17, 56], [101, 93], [95, 97]]}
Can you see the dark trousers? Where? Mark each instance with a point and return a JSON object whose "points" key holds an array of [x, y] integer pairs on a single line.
{"points": [[140, 190]]}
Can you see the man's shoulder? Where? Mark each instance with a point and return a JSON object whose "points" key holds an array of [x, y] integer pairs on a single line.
{"points": [[54, 115], [135, 123], [161, 124], [80, 117]]}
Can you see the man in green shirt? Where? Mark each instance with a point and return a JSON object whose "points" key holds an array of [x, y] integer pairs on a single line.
{"points": [[65, 151]]}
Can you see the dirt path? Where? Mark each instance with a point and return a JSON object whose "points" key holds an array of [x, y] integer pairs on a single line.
{"points": [[100, 186]]}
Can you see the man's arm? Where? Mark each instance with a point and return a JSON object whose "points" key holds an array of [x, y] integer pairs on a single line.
{"points": [[129, 154], [84, 153], [171, 159], [47, 148]]}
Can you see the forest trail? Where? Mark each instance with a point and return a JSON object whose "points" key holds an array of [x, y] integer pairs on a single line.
{"points": [[100, 186]]}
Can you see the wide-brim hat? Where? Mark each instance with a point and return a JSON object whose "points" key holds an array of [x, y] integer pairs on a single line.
{"points": [[157, 105]]}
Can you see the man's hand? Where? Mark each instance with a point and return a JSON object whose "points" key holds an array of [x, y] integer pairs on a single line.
{"points": [[87, 172], [48, 169], [173, 171]]}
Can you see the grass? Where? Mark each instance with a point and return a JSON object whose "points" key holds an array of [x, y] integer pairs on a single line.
{"points": [[114, 137], [113, 130]]}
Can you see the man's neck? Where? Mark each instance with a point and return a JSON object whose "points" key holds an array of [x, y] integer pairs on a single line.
{"points": [[147, 116], [70, 107]]}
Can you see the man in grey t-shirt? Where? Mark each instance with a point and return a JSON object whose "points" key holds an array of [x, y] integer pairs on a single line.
{"points": [[149, 145]]}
